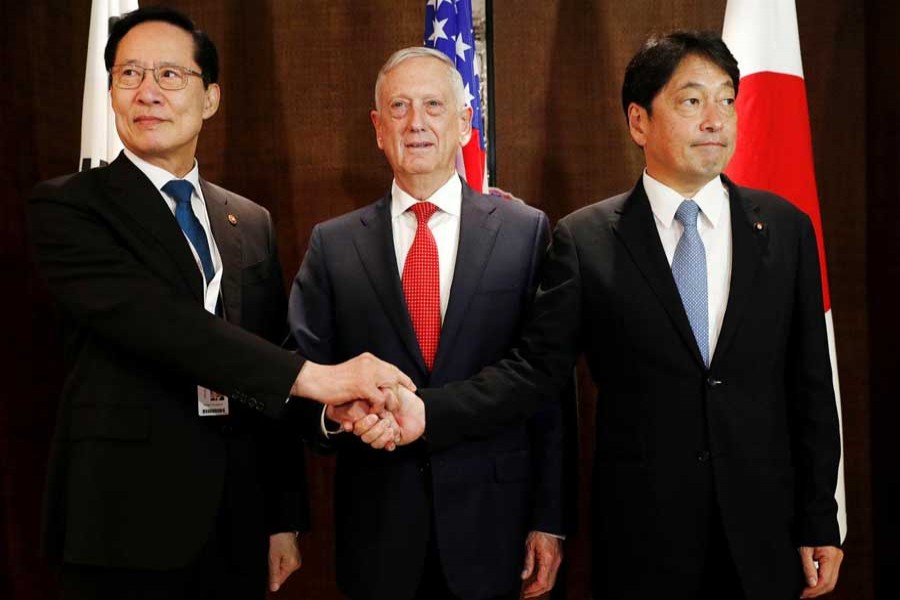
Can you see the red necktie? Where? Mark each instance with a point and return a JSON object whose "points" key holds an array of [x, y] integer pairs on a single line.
{"points": [[422, 284]]}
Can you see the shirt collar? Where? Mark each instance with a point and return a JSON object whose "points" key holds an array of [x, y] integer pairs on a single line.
{"points": [[159, 176], [664, 201], [448, 198]]}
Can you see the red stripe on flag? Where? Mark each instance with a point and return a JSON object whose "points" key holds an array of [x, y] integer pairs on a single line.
{"points": [[473, 158], [774, 149]]}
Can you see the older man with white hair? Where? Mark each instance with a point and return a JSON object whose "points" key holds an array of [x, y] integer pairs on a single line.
{"points": [[435, 278]]}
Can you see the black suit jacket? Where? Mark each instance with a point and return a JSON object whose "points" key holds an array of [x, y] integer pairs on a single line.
{"points": [[754, 436], [485, 494], [136, 478]]}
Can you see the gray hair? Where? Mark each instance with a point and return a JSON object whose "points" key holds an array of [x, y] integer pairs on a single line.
{"points": [[456, 82]]}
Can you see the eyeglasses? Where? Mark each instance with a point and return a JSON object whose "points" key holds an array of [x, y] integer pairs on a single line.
{"points": [[168, 77]]}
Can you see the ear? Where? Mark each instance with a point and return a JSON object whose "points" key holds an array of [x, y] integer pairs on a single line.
{"points": [[376, 123], [211, 96], [465, 126], [638, 121]]}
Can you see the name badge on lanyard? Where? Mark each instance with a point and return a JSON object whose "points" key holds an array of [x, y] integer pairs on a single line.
{"points": [[211, 403]]}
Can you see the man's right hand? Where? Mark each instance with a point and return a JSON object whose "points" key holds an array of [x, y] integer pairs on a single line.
{"points": [[362, 378], [410, 416], [407, 426]]}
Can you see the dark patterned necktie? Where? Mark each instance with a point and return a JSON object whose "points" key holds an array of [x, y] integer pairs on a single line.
{"points": [[181, 191]]}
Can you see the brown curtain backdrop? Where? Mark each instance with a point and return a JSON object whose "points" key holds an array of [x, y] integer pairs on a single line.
{"points": [[293, 133]]}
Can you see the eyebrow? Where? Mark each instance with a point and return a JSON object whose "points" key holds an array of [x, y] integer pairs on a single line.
{"points": [[165, 63], [697, 85]]}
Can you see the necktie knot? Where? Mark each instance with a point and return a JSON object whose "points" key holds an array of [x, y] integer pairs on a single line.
{"points": [[180, 189], [687, 213], [423, 211]]}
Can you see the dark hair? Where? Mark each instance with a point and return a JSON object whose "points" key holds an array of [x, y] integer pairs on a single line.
{"points": [[652, 67], [205, 54]]}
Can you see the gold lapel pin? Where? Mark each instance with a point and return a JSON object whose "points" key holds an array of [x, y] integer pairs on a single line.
{"points": [[232, 219]]}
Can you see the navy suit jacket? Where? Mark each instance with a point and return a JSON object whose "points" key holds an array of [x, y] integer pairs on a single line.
{"points": [[484, 495], [752, 440]]}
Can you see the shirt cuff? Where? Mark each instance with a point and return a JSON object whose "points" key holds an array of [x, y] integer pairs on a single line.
{"points": [[553, 535], [324, 429]]}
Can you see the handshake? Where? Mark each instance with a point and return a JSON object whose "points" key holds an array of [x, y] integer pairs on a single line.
{"points": [[373, 399]]}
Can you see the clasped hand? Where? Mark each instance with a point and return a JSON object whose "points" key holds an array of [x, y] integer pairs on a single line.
{"points": [[399, 421]]}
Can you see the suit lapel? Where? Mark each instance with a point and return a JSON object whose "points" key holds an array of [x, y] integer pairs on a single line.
{"points": [[136, 196], [478, 229], [746, 251], [636, 229], [374, 243], [228, 241]]}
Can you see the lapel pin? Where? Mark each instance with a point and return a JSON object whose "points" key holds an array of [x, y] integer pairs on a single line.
{"points": [[232, 219], [759, 226]]}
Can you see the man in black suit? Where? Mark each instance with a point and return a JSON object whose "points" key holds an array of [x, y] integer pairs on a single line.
{"points": [[435, 278], [170, 288], [698, 306]]}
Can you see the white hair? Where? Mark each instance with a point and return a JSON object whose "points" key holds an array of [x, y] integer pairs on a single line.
{"points": [[456, 82]]}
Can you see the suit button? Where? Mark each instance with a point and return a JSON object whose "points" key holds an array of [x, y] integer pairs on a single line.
{"points": [[703, 456], [226, 429], [713, 382]]}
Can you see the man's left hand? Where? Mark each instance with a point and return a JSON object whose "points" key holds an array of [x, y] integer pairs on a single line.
{"points": [[820, 580], [284, 558], [545, 551]]}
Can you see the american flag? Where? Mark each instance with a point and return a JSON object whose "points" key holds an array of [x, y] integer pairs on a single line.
{"points": [[448, 29]]}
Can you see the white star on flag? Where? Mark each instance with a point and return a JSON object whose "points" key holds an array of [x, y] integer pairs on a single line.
{"points": [[469, 96], [448, 29], [461, 46], [438, 31]]}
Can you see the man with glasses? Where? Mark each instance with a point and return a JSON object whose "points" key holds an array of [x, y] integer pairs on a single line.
{"points": [[436, 278], [171, 476]]}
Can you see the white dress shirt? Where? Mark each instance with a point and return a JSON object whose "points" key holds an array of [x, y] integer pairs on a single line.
{"points": [[444, 226], [160, 177], [714, 226]]}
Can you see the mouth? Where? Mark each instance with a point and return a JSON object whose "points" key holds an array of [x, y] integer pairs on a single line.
{"points": [[147, 121], [418, 145]]}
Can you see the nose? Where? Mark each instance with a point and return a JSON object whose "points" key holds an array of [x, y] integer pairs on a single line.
{"points": [[415, 117], [149, 91], [712, 118]]}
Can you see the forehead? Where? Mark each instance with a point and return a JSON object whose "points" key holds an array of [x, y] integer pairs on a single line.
{"points": [[419, 75], [697, 71], [156, 42]]}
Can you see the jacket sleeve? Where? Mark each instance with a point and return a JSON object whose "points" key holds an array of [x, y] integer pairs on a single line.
{"points": [[107, 291], [815, 433], [312, 326], [547, 428], [514, 388]]}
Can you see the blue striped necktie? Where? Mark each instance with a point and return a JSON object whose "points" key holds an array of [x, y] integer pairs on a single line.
{"points": [[181, 190], [689, 272]]}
